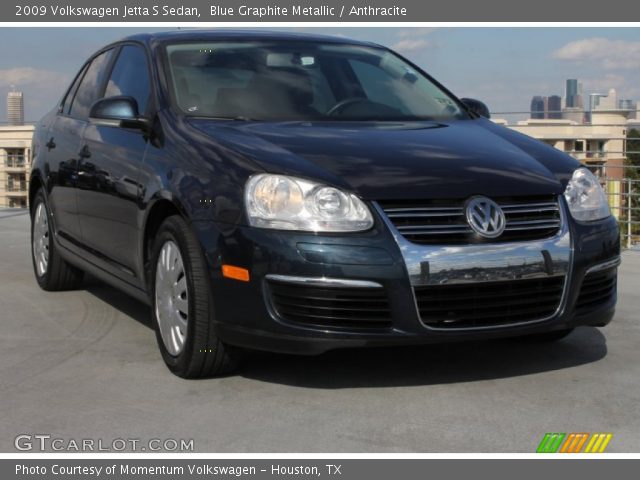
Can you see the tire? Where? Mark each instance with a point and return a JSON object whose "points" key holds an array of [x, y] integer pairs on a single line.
{"points": [[552, 336], [181, 300], [52, 272]]}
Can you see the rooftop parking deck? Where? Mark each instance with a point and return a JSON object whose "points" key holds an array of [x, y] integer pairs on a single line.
{"points": [[84, 364]]}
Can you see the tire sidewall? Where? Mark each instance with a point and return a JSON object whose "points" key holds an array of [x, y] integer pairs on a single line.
{"points": [[38, 199], [168, 232]]}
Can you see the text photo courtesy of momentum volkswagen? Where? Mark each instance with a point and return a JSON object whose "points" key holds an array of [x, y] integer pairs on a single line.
{"points": [[302, 193]]}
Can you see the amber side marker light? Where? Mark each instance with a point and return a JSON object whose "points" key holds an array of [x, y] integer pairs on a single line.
{"points": [[236, 273]]}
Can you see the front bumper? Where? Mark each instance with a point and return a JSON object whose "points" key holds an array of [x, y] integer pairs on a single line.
{"points": [[245, 314]]}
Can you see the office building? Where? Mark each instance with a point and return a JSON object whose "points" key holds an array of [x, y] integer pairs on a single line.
{"points": [[538, 107], [15, 108], [546, 107], [554, 107]]}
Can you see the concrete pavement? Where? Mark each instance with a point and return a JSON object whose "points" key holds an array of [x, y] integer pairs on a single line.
{"points": [[84, 364]]}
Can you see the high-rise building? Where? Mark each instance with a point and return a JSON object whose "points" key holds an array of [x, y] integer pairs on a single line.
{"points": [[554, 107], [571, 93], [631, 106], [608, 102], [15, 108], [594, 100], [626, 104], [579, 103], [538, 105], [546, 107]]}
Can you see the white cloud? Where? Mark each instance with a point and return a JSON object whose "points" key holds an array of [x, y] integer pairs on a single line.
{"points": [[415, 32], [412, 45], [609, 54], [24, 76]]}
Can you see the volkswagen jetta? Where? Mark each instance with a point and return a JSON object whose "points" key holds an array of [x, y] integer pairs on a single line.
{"points": [[304, 193]]}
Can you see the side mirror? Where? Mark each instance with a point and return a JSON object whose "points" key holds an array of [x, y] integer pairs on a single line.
{"points": [[117, 111], [476, 107]]}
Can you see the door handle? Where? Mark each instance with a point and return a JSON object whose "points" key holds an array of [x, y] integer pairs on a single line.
{"points": [[84, 152], [50, 144]]}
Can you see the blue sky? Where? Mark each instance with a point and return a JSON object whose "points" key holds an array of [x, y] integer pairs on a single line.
{"points": [[504, 67]]}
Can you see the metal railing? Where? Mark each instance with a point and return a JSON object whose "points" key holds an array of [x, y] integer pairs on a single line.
{"points": [[618, 170], [624, 200], [14, 161], [16, 187]]}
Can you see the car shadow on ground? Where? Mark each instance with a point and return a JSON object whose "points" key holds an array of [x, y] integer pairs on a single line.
{"points": [[398, 366], [127, 305], [428, 364]]}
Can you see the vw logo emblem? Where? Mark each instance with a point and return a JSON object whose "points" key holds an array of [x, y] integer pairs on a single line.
{"points": [[485, 217]]}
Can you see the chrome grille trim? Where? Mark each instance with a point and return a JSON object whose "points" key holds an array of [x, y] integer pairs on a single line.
{"points": [[429, 224], [434, 264]]}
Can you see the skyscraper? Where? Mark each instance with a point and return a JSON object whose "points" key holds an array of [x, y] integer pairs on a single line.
{"points": [[594, 100], [546, 107], [15, 108], [554, 107], [571, 93], [538, 107]]}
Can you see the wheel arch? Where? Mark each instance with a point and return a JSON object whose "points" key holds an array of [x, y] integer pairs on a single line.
{"points": [[35, 184], [160, 209]]}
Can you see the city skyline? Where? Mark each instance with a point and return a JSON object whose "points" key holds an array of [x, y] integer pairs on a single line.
{"points": [[504, 67], [575, 103]]}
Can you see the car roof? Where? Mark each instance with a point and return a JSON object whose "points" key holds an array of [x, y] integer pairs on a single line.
{"points": [[231, 34]]}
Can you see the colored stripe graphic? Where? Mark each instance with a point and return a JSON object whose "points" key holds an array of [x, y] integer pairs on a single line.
{"points": [[598, 443], [573, 442], [550, 443]]}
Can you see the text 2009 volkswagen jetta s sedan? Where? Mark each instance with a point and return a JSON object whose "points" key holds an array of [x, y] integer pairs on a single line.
{"points": [[304, 193]]}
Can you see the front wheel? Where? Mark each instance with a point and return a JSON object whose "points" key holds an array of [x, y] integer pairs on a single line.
{"points": [[182, 306]]}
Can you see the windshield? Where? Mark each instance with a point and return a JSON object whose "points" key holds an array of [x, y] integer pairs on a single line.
{"points": [[302, 81]]}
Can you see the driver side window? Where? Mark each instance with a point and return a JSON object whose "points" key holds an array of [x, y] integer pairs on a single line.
{"points": [[89, 89]]}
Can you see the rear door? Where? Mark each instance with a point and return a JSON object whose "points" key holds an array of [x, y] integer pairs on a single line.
{"points": [[63, 148], [108, 193]]}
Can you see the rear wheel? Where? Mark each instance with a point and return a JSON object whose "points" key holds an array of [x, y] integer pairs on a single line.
{"points": [[182, 305], [52, 272]]}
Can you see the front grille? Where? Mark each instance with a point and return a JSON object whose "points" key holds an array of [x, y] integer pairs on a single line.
{"points": [[490, 303], [597, 289], [444, 222], [331, 307]]}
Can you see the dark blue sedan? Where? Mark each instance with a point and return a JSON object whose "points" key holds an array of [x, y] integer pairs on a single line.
{"points": [[301, 193]]}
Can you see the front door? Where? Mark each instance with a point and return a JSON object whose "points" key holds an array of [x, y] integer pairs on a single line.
{"points": [[109, 175]]}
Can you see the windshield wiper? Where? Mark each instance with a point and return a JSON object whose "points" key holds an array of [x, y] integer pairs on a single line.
{"points": [[237, 118]]}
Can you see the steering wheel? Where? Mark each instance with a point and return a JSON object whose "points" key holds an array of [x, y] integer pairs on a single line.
{"points": [[345, 103]]}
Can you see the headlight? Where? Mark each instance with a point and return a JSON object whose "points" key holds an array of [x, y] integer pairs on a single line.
{"points": [[586, 198], [287, 203]]}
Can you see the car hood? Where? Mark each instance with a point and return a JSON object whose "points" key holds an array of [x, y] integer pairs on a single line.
{"points": [[381, 161]]}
